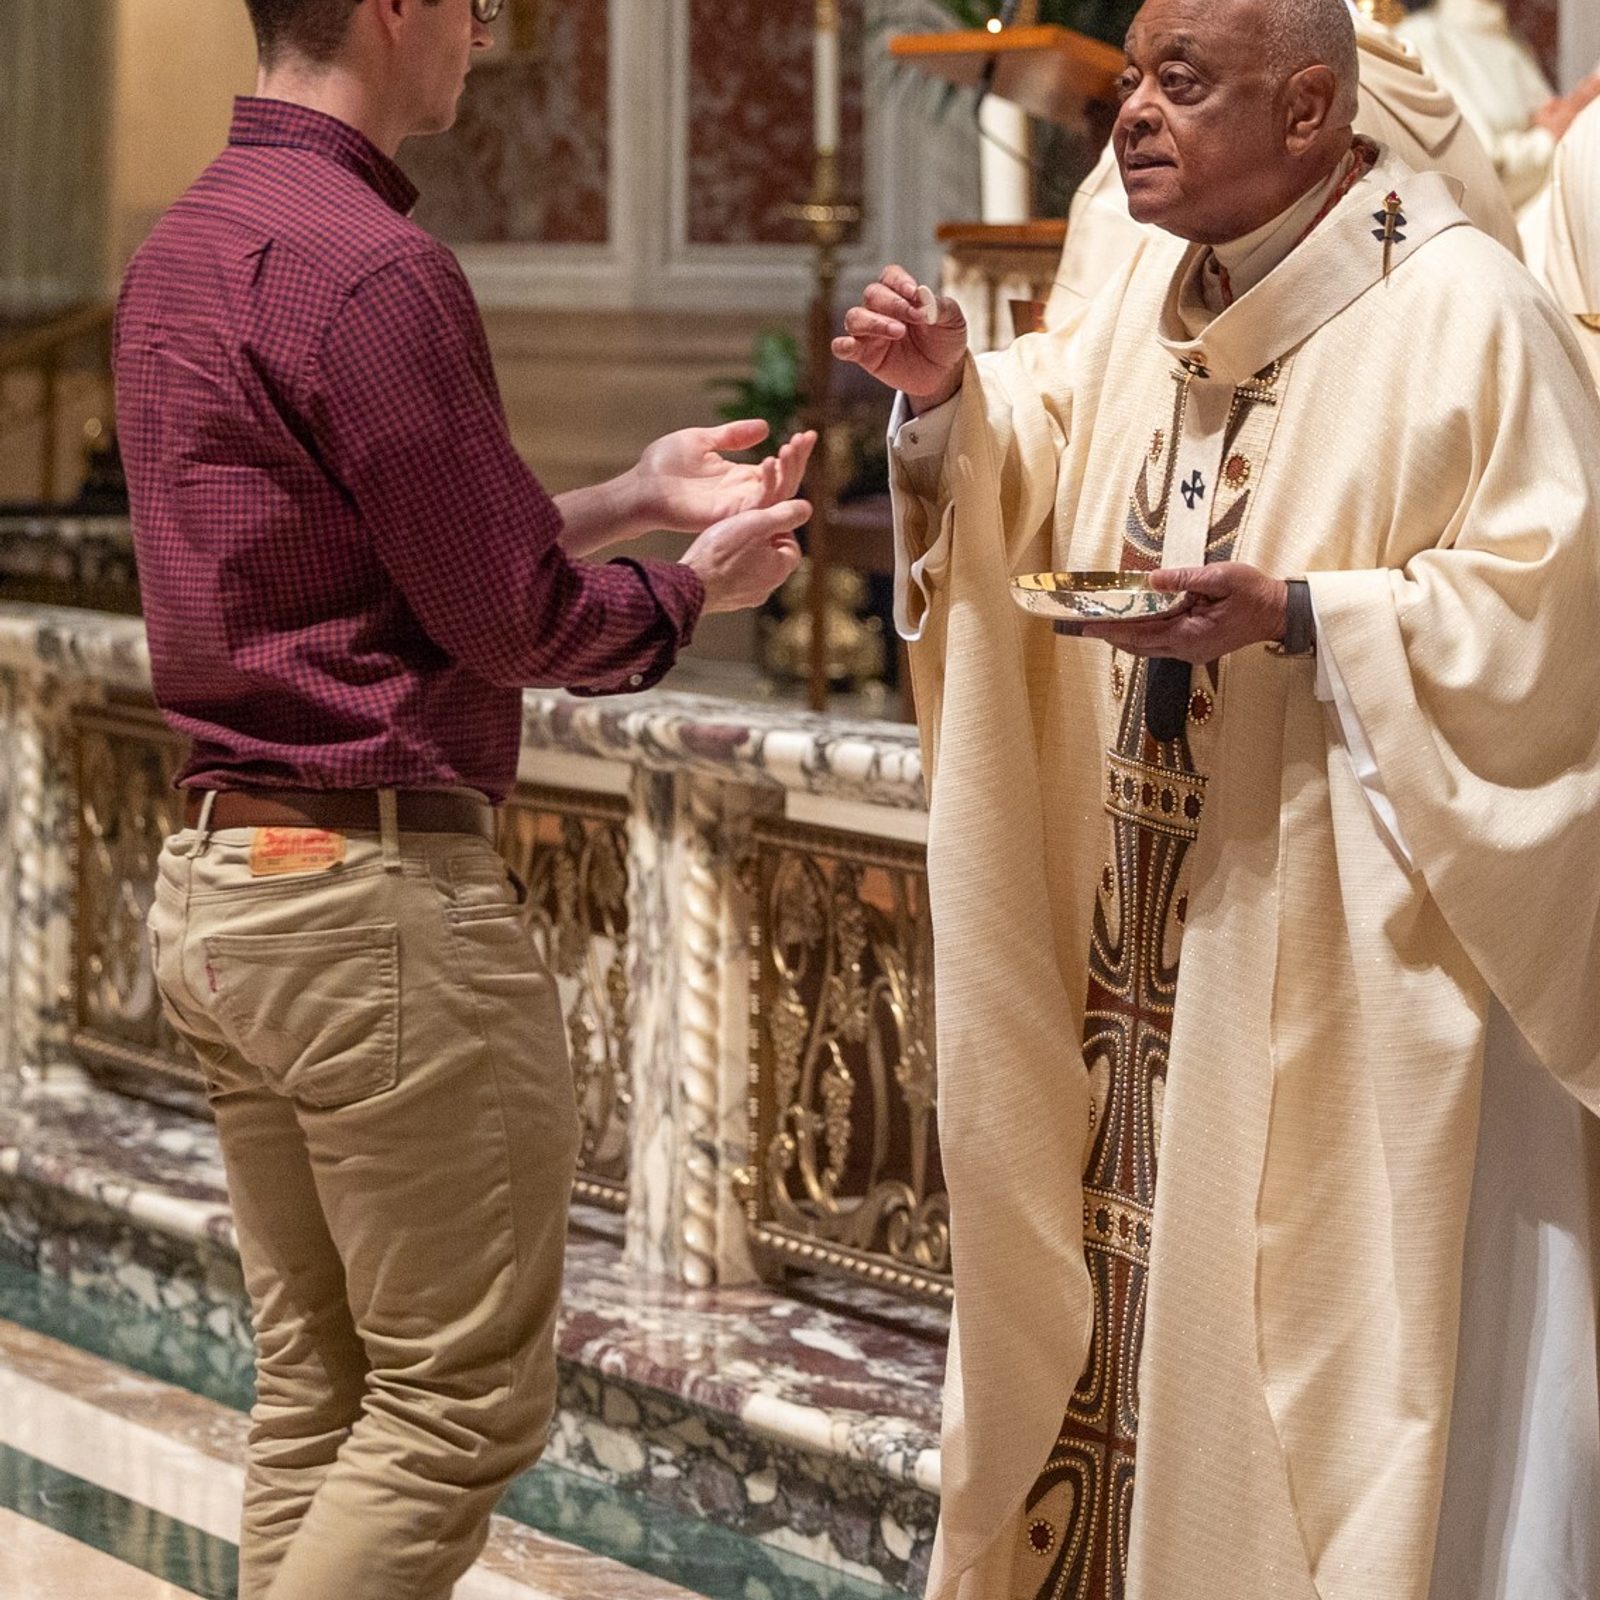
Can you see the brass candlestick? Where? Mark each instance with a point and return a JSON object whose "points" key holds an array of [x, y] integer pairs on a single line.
{"points": [[829, 217]]}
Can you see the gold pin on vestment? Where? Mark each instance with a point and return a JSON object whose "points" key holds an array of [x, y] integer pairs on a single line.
{"points": [[1391, 219]]}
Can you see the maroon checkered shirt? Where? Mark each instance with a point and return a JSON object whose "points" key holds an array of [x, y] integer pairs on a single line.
{"points": [[348, 573]]}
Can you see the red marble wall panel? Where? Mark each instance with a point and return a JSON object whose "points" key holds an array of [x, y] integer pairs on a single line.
{"points": [[750, 123], [1539, 22], [528, 160]]}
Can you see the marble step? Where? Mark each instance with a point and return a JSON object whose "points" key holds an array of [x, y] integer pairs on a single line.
{"points": [[181, 1455], [813, 1428]]}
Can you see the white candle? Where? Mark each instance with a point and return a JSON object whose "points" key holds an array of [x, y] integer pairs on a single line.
{"points": [[826, 74], [1005, 181]]}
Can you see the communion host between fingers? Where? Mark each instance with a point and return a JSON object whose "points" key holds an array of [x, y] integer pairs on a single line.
{"points": [[349, 576]]}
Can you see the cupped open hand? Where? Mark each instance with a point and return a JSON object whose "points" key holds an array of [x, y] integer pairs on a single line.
{"points": [[684, 482]]}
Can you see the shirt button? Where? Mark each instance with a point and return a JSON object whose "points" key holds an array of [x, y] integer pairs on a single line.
{"points": [[636, 680], [912, 436]]}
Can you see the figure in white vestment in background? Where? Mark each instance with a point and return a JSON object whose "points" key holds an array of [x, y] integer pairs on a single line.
{"points": [[1401, 107], [1470, 47], [1571, 256], [1268, 934]]}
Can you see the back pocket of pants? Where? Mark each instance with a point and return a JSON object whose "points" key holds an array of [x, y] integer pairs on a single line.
{"points": [[318, 1012]]}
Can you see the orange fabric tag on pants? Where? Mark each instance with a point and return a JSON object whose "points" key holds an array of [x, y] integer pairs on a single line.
{"points": [[280, 850]]}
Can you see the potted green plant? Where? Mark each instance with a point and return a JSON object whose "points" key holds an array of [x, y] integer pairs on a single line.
{"points": [[773, 391]]}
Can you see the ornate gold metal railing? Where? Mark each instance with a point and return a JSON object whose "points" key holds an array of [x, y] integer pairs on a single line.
{"points": [[844, 1177], [46, 351], [844, 1174], [126, 761], [571, 850]]}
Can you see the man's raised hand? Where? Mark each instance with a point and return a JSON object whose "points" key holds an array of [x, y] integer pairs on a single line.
{"points": [[890, 336]]}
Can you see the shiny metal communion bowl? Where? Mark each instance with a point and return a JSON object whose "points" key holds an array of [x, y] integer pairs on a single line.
{"points": [[1093, 596]]}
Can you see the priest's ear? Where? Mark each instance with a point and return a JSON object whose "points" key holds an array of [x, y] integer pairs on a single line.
{"points": [[1312, 107]]}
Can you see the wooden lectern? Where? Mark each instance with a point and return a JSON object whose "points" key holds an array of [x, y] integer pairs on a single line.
{"points": [[1051, 72]]}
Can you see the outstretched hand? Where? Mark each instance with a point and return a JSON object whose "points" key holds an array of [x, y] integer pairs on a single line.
{"points": [[890, 336], [1230, 605], [685, 483]]}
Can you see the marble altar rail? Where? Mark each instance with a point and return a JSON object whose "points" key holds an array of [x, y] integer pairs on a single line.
{"points": [[731, 897], [732, 900]]}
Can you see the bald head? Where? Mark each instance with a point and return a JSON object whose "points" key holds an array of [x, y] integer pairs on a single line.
{"points": [[1307, 33], [1233, 109]]}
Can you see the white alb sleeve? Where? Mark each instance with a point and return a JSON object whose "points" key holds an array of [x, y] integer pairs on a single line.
{"points": [[1331, 687], [916, 450]]}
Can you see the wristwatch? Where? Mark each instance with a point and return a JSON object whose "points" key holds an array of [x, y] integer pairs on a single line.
{"points": [[1300, 630]]}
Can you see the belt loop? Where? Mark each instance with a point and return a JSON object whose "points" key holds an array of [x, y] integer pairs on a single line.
{"points": [[203, 821], [389, 827]]}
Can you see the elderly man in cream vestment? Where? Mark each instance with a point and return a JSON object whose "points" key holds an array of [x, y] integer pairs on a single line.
{"points": [[1402, 108], [1229, 906], [1571, 257]]}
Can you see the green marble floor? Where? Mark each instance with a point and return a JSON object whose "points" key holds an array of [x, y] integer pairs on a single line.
{"points": [[137, 1536], [710, 1561]]}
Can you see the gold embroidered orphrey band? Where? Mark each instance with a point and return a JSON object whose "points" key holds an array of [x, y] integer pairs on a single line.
{"points": [[1079, 1514]]}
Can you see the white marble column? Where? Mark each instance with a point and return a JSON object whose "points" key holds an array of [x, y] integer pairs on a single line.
{"points": [[55, 95], [9, 1078], [39, 832], [689, 915]]}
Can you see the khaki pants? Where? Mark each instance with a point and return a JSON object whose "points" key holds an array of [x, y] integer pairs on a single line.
{"points": [[385, 1055]]}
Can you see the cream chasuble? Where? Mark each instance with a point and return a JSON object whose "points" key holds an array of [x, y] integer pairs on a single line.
{"points": [[1237, 1381], [1571, 263], [1402, 109], [1495, 79]]}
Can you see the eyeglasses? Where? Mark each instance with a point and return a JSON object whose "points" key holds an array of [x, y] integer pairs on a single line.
{"points": [[487, 10]]}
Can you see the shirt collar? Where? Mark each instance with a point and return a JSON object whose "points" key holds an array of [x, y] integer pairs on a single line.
{"points": [[279, 122]]}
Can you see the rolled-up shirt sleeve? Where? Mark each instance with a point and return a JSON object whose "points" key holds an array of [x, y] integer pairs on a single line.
{"points": [[409, 418]]}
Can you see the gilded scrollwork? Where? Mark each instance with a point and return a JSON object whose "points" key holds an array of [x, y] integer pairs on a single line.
{"points": [[571, 851], [847, 1174]]}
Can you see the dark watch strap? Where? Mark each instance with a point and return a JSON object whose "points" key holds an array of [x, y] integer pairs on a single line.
{"points": [[1300, 634]]}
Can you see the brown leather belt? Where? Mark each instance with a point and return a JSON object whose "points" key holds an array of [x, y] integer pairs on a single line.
{"points": [[341, 810]]}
